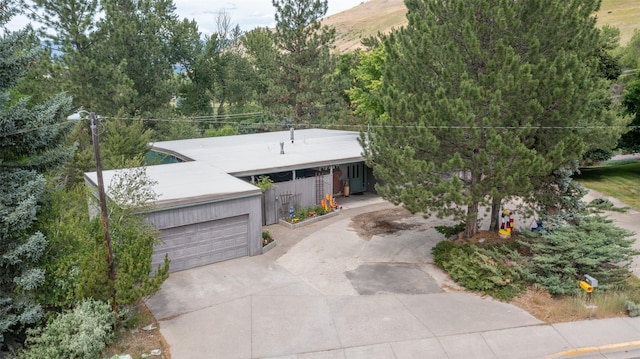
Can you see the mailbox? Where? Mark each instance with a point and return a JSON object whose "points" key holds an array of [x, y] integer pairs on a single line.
{"points": [[586, 286], [592, 281]]}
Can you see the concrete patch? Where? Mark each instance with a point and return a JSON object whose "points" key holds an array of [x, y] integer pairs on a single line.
{"points": [[401, 247], [423, 348], [331, 354], [526, 342], [379, 351], [460, 313], [594, 333], [371, 320], [198, 288], [212, 332], [460, 346], [288, 325], [376, 278]]}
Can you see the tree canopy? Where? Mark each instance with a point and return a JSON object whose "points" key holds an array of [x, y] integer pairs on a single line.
{"points": [[300, 87], [483, 100], [32, 137]]}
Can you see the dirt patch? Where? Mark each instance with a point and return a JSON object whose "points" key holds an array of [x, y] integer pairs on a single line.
{"points": [[385, 221], [136, 341], [550, 309]]}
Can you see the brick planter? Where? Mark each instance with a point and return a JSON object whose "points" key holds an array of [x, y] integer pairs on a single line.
{"points": [[308, 221], [269, 246]]}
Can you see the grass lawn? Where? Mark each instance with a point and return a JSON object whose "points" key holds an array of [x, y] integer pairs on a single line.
{"points": [[616, 179]]}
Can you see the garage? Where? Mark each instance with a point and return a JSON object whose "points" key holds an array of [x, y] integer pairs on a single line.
{"points": [[203, 215], [204, 243]]}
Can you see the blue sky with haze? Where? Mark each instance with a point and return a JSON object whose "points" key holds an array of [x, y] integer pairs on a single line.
{"points": [[248, 14]]}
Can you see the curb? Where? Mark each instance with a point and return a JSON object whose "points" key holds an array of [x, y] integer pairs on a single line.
{"points": [[588, 350]]}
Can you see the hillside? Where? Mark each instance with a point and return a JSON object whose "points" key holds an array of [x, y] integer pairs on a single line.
{"points": [[373, 16]]}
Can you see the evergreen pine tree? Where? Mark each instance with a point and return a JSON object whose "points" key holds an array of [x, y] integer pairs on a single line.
{"points": [[31, 143], [301, 88], [471, 91]]}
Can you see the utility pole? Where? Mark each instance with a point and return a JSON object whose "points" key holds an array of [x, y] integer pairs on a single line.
{"points": [[103, 209]]}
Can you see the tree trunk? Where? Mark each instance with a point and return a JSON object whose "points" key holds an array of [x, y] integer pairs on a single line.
{"points": [[495, 213], [471, 227]]}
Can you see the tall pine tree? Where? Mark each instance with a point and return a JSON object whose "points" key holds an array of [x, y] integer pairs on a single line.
{"points": [[31, 143], [301, 88], [470, 91]]}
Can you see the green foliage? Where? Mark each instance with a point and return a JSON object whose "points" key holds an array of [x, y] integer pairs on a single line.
{"points": [[266, 238], [32, 138], [493, 269], [264, 183], [123, 141], [480, 128], [632, 308], [300, 85], [319, 210], [80, 333], [76, 260], [365, 93], [630, 140], [449, 231], [604, 204], [133, 238], [630, 53], [226, 130], [561, 254]]}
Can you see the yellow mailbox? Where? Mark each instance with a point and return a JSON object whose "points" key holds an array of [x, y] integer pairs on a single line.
{"points": [[586, 286]]}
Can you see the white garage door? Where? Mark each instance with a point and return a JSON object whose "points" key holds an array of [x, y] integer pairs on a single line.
{"points": [[204, 243]]}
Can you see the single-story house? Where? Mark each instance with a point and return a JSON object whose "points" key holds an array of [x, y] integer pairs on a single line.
{"points": [[207, 208]]}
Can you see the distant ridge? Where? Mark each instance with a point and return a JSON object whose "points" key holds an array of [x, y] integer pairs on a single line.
{"points": [[373, 16]]}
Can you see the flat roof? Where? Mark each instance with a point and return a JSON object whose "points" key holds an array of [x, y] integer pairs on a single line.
{"points": [[186, 183], [256, 154]]}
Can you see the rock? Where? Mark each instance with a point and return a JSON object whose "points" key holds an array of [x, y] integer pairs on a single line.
{"points": [[144, 355], [156, 352], [149, 327]]}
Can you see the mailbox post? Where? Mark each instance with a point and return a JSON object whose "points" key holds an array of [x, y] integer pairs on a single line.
{"points": [[587, 285]]}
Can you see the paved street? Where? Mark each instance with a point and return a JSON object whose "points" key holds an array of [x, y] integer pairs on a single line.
{"points": [[325, 292]]}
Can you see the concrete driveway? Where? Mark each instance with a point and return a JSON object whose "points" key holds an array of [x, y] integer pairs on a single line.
{"points": [[324, 292]]}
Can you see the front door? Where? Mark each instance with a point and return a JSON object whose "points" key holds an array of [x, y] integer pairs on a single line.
{"points": [[357, 177]]}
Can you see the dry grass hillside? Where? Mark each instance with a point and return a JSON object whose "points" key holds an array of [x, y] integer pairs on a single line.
{"points": [[373, 16]]}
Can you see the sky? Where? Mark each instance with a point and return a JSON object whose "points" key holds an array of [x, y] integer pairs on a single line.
{"points": [[249, 14]]}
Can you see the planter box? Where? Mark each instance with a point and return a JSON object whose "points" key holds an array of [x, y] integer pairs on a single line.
{"points": [[269, 246], [308, 221]]}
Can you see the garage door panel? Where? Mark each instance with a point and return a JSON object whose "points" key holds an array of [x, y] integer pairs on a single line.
{"points": [[204, 243]]}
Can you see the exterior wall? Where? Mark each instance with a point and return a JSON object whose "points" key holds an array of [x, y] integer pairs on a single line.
{"points": [[206, 212]]}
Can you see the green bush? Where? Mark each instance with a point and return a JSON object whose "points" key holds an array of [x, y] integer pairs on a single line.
{"points": [[80, 333], [603, 204], [449, 231], [560, 256], [302, 213], [493, 269], [632, 308], [319, 210]]}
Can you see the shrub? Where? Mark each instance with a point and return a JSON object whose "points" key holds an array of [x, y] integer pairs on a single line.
{"points": [[80, 333], [266, 238], [632, 308], [561, 255], [319, 210], [493, 270], [449, 231], [603, 204]]}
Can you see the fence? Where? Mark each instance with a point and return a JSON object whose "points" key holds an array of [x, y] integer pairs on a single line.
{"points": [[302, 192]]}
